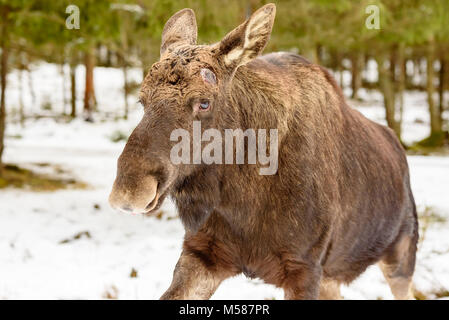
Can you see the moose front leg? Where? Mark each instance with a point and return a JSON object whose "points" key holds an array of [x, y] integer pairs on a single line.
{"points": [[302, 284], [192, 279]]}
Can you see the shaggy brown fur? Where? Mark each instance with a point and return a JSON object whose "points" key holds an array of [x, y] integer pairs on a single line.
{"points": [[339, 202]]}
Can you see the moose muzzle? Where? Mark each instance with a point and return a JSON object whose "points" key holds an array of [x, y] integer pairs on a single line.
{"points": [[141, 197]]}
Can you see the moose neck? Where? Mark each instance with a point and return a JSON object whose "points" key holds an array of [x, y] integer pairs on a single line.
{"points": [[253, 101]]}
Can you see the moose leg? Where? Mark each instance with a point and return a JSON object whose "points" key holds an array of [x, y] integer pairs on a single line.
{"points": [[398, 267], [329, 290], [192, 280], [302, 284]]}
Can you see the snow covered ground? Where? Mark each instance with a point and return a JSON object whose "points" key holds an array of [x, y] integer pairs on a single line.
{"points": [[39, 257]]}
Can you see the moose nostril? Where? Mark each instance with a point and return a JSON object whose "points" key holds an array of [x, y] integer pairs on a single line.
{"points": [[151, 204]]}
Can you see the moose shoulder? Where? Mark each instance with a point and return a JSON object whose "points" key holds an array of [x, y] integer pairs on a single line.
{"points": [[339, 201]]}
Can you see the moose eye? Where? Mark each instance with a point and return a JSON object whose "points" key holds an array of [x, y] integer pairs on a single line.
{"points": [[204, 105]]}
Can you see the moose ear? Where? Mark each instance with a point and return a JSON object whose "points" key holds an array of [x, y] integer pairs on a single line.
{"points": [[180, 29], [248, 40]]}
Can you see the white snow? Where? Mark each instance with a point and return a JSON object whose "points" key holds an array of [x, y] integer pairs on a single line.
{"points": [[34, 264]]}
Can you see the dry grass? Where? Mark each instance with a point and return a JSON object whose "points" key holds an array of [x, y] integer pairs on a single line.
{"points": [[428, 217], [436, 144], [437, 294], [17, 177], [111, 293]]}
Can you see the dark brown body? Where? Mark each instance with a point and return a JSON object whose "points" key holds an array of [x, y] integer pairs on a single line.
{"points": [[341, 199], [339, 202]]}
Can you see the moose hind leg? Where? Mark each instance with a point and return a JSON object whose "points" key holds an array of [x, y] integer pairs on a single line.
{"points": [[398, 266], [329, 290]]}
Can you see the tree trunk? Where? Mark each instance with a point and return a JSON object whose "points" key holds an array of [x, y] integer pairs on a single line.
{"points": [[401, 74], [310, 54], [124, 54], [356, 70], [416, 73], [31, 86], [387, 89], [21, 104], [73, 90], [145, 57], [342, 73], [125, 87], [435, 123], [393, 63], [108, 57], [339, 68], [89, 93], [3, 73], [318, 52], [63, 87], [442, 83], [21, 67]]}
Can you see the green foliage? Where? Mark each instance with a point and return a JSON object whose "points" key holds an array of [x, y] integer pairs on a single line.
{"points": [[337, 25]]}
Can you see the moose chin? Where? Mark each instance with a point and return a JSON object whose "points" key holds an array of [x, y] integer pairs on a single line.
{"points": [[339, 201]]}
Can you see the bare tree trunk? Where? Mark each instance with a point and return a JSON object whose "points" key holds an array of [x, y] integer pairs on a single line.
{"points": [[387, 89], [124, 39], [318, 51], [435, 123], [89, 93], [310, 54], [61, 73], [393, 63], [342, 74], [108, 57], [339, 67], [400, 81], [31, 86], [416, 71], [63, 88], [21, 104], [356, 70], [145, 57], [422, 72], [21, 69], [73, 90], [443, 82], [125, 87], [4, 65]]}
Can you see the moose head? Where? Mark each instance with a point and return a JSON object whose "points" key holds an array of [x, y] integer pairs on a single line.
{"points": [[189, 83]]}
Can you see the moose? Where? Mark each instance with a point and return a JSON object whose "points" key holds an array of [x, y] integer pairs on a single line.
{"points": [[339, 201]]}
